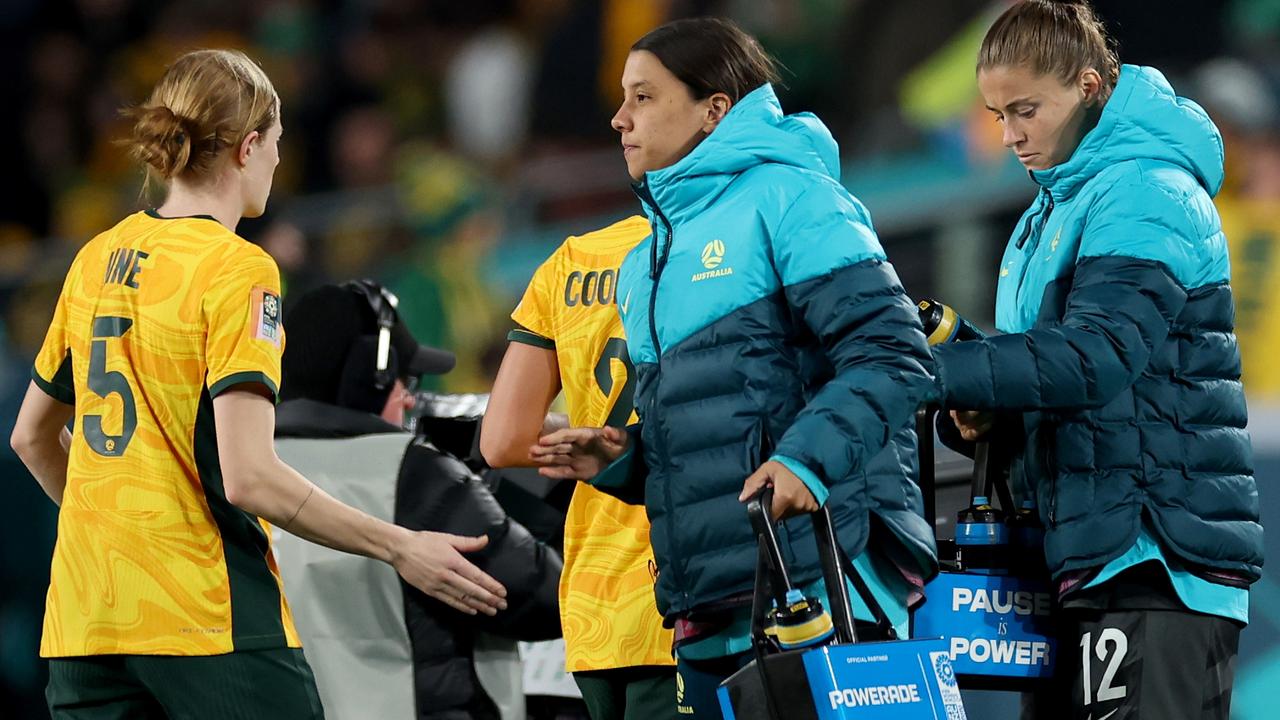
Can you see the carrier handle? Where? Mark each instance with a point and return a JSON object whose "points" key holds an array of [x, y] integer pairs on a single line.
{"points": [[759, 509], [836, 568]]}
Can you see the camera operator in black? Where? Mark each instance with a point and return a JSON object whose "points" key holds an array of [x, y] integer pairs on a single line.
{"points": [[380, 648]]}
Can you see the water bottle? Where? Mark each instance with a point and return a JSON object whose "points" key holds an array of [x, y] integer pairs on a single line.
{"points": [[982, 538], [944, 325], [800, 623]]}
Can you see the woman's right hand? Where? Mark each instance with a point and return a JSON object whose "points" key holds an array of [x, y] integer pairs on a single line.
{"points": [[578, 453], [973, 424], [433, 562]]}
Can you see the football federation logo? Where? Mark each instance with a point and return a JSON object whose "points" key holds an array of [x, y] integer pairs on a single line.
{"points": [[712, 257], [713, 254]]}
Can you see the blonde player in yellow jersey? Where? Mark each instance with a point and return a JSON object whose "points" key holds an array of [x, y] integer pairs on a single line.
{"points": [[570, 338], [164, 598]]}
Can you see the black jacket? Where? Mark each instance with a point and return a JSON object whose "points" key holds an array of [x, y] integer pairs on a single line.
{"points": [[437, 492]]}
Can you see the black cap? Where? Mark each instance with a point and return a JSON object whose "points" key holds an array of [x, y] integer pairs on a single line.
{"points": [[416, 359], [330, 330]]}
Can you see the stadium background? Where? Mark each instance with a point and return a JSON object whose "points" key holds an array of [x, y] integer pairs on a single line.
{"points": [[445, 148]]}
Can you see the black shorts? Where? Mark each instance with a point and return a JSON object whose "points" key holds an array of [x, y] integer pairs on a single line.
{"points": [[248, 685], [634, 693], [698, 680], [1129, 650]]}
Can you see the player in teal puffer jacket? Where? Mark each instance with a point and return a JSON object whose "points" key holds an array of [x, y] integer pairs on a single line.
{"points": [[772, 342], [1119, 368]]}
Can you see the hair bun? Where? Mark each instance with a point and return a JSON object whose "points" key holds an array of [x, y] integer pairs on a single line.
{"points": [[162, 139], [206, 103]]}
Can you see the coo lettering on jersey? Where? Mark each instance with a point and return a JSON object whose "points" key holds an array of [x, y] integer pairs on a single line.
{"points": [[594, 287]]}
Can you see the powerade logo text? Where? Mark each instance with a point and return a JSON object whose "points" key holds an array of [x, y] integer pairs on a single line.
{"points": [[902, 680], [874, 695]]}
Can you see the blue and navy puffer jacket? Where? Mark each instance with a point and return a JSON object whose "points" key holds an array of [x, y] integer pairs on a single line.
{"points": [[1115, 292], [763, 321]]}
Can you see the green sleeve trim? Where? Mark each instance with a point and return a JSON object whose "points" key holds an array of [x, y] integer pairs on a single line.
{"points": [[233, 379], [61, 388], [530, 338]]}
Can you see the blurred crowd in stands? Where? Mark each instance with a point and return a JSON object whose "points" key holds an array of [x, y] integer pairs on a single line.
{"points": [[422, 138]]}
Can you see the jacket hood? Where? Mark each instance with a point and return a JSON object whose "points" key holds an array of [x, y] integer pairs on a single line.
{"points": [[754, 132], [1144, 119]]}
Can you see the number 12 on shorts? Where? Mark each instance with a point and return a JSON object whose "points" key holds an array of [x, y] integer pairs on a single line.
{"points": [[1111, 648]]}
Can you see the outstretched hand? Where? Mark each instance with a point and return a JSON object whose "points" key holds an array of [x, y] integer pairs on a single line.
{"points": [[433, 563]]}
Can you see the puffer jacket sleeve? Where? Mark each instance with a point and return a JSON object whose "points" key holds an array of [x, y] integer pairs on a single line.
{"points": [[1123, 299], [625, 477], [842, 288], [437, 492]]}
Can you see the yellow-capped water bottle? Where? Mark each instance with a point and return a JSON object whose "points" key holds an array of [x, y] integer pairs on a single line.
{"points": [[943, 324], [800, 623]]}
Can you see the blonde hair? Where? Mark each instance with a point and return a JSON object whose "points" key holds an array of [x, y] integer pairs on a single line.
{"points": [[206, 101], [1059, 38]]}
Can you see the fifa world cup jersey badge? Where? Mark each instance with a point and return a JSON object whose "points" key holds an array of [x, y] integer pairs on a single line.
{"points": [[266, 315]]}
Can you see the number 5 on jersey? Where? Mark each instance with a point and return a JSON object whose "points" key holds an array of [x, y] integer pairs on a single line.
{"points": [[105, 383]]}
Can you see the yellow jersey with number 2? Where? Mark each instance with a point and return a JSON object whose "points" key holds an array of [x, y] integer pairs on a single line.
{"points": [[607, 605]]}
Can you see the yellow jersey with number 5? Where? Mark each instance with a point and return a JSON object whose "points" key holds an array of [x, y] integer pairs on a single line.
{"points": [[607, 606], [156, 317]]}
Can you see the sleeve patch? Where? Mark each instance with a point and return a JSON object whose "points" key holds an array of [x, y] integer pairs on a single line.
{"points": [[265, 315]]}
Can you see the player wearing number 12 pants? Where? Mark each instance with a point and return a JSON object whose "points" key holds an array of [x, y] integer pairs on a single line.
{"points": [[1115, 381], [570, 337]]}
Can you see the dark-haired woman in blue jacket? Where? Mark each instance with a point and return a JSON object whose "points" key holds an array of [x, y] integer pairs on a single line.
{"points": [[772, 343]]}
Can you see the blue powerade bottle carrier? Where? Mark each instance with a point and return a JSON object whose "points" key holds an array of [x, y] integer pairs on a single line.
{"points": [[808, 669], [992, 602]]}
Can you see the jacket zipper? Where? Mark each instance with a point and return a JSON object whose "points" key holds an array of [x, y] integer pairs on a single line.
{"points": [[1049, 454], [1046, 454], [1048, 210], [657, 263], [1040, 218]]}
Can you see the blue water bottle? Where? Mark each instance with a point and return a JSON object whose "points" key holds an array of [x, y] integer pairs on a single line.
{"points": [[982, 538]]}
